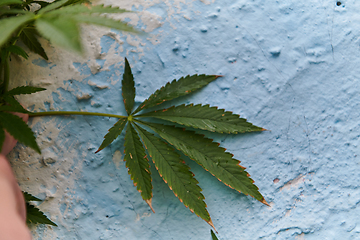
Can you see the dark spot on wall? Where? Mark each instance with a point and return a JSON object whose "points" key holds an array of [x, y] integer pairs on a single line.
{"points": [[338, 3]]}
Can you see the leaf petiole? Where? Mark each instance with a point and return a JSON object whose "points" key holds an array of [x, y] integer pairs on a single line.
{"points": [[56, 113]]}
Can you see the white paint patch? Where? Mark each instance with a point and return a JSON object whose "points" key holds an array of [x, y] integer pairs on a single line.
{"points": [[118, 159]]}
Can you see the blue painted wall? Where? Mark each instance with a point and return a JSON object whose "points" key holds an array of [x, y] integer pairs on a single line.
{"points": [[289, 66]]}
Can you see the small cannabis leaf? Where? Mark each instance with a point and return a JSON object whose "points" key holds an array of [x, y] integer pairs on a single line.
{"points": [[13, 124], [160, 148], [29, 37], [33, 214]]}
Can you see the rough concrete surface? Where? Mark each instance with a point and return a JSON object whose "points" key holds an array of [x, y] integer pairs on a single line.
{"points": [[291, 67]]}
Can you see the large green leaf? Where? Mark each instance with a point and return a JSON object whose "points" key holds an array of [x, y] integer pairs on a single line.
{"points": [[61, 31], [24, 90], [28, 37], [138, 164], [176, 174], [103, 21], [128, 88], [113, 133], [34, 215], [211, 157], [87, 9], [9, 25], [204, 117], [19, 130], [9, 2], [181, 87]]}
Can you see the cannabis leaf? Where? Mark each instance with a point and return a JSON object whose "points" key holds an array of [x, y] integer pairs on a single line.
{"points": [[24, 90], [182, 87], [161, 147], [128, 88], [138, 165], [11, 24], [18, 51], [9, 2], [33, 214], [113, 133], [28, 197], [13, 124], [29, 37], [18, 129], [176, 174], [204, 117]]}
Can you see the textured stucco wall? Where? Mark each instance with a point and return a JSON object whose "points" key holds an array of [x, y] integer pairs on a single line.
{"points": [[289, 66]]}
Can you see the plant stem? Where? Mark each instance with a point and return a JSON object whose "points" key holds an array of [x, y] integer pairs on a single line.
{"points": [[54, 113]]}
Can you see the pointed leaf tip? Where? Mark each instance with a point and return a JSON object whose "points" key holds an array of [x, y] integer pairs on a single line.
{"points": [[211, 224], [128, 88], [265, 202], [148, 201]]}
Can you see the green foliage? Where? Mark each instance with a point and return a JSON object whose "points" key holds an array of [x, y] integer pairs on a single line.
{"points": [[128, 88], [9, 25], [29, 37], [18, 129], [61, 31], [24, 90], [138, 164], [18, 51], [160, 148], [175, 173], [57, 21], [113, 133], [9, 2], [28, 197], [33, 214], [182, 87], [13, 124], [205, 118], [213, 236]]}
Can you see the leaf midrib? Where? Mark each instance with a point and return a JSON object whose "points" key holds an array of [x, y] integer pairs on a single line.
{"points": [[138, 162]]}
